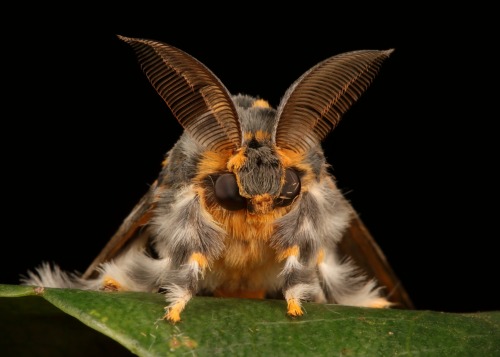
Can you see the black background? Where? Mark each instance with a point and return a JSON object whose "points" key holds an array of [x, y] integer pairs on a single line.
{"points": [[84, 132]]}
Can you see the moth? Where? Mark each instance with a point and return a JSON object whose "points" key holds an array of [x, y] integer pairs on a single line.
{"points": [[245, 204]]}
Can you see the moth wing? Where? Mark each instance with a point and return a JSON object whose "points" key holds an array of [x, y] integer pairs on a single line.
{"points": [[128, 232], [358, 244]]}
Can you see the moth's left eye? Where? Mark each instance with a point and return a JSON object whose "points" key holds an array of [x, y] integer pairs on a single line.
{"points": [[290, 190], [227, 193]]}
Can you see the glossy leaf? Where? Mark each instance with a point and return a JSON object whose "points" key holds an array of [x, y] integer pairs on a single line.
{"points": [[235, 327]]}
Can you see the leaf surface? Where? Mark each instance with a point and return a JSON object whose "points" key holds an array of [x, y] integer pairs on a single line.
{"points": [[235, 327]]}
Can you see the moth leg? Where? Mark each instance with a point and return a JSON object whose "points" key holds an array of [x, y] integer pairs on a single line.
{"points": [[300, 282], [110, 284], [185, 233], [179, 295], [317, 221], [133, 270], [344, 284]]}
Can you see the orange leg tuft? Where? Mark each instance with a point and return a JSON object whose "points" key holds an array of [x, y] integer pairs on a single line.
{"points": [[292, 251], [110, 284], [200, 259], [174, 312], [294, 308]]}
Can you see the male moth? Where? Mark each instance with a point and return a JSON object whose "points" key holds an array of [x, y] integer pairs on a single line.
{"points": [[245, 204]]}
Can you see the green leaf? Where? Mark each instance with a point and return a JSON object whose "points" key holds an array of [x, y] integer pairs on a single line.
{"points": [[235, 327]]}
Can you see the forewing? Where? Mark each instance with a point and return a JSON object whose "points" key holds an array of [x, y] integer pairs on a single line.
{"points": [[359, 244], [128, 232]]}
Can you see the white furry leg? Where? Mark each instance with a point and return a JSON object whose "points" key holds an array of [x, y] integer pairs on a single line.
{"points": [[345, 286], [178, 298], [300, 284], [294, 297], [133, 271], [52, 276], [178, 294]]}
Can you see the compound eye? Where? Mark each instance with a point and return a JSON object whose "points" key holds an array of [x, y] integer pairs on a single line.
{"points": [[290, 190], [227, 193]]}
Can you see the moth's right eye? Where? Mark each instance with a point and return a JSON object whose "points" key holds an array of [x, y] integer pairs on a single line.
{"points": [[227, 193]]}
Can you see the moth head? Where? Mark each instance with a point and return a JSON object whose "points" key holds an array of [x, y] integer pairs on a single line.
{"points": [[262, 151], [257, 178]]}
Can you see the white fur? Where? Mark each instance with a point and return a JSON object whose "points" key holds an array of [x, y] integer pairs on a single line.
{"points": [[172, 229], [177, 295], [339, 214], [195, 270], [51, 276], [167, 224], [125, 270], [346, 285], [301, 292], [122, 270], [291, 264]]}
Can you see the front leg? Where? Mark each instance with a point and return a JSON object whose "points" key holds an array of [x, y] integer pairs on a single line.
{"points": [[299, 280], [184, 232], [301, 237], [307, 240]]}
